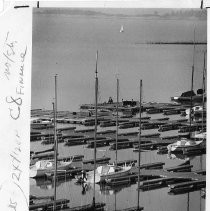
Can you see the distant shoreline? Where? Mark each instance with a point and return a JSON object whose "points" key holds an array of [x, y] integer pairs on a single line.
{"points": [[174, 43]]}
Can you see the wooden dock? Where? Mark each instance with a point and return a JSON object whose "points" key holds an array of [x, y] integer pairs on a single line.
{"points": [[132, 209], [164, 173], [63, 175], [185, 181], [60, 204], [158, 183], [153, 144], [88, 207], [184, 187], [127, 162]]}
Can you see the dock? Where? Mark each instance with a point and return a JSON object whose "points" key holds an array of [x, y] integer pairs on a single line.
{"points": [[88, 207], [132, 209], [178, 180], [184, 187], [60, 204], [98, 160]]}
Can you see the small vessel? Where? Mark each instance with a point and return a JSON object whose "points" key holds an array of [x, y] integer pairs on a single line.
{"points": [[106, 172], [200, 135], [41, 123], [185, 98], [40, 168], [121, 29], [197, 111], [184, 144]]}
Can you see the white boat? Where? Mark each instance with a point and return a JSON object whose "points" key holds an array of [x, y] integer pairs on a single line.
{"points": [[106, 172], [183, 144], [200, 135], [40, 168], [121, 29], [196, 111]]}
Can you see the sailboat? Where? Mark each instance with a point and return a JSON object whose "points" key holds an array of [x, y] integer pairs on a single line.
{"points": [[121, 29], [43, 167], [139, 157], [183, 144], [187, 144], [104, 173], [202, 134]]}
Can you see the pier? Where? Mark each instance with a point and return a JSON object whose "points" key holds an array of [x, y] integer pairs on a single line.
{"points": [[60, 204]]}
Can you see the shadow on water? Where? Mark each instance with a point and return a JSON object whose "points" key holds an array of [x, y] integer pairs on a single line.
{"points": [[46, 183]]}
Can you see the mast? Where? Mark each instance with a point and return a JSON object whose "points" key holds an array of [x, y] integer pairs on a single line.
{"points": [[95, 134], [138, 208], [203, 87], [192, 83], [55, 141], [191, 96], [117, 119], [191, 103]]}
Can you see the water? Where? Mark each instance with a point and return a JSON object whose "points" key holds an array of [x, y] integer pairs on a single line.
{"points": [[66, 44]]}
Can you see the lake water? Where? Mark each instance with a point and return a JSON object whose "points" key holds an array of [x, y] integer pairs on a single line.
{"points": [[67, 44]]}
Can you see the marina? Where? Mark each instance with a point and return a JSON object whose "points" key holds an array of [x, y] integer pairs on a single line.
{"points": [[114, 141], [153, 176]]}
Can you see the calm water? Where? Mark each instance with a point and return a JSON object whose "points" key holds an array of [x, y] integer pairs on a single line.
{"points": [[66, 45]]}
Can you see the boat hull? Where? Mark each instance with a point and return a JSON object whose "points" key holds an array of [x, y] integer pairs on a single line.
{"points": [[180, 149], [115, 174], [105, 177], [34, 172]]}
